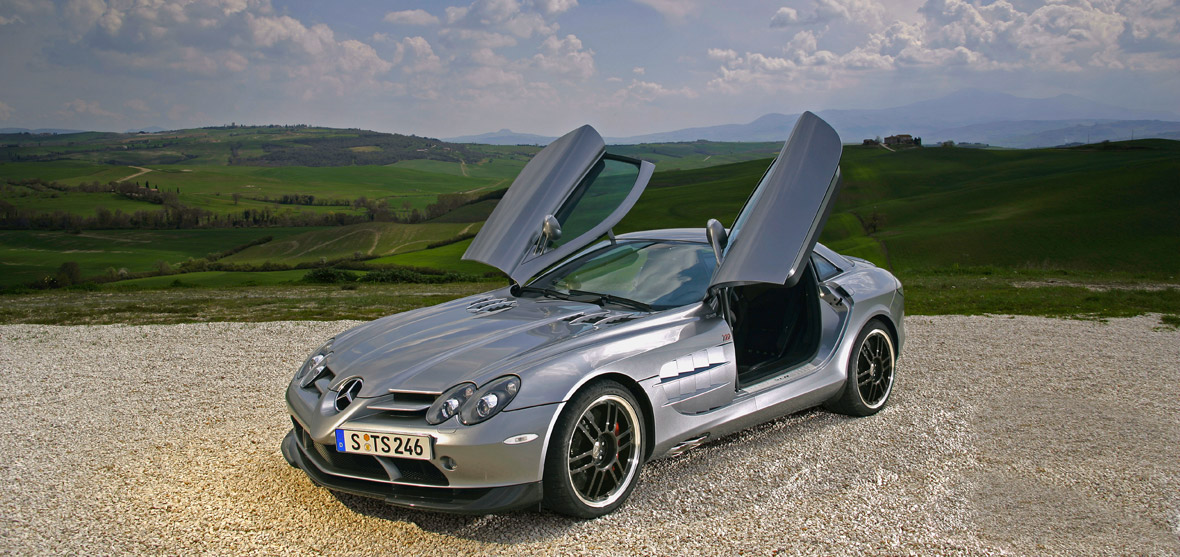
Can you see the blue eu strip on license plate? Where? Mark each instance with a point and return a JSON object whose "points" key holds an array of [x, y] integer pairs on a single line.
{"points": [[340, 440]]}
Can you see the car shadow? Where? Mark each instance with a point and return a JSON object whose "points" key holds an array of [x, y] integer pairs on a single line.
{"points": [[684, 476], [511, 528]]}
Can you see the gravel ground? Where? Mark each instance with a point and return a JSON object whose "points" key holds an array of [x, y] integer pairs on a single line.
{"points": [[1005, 435]]}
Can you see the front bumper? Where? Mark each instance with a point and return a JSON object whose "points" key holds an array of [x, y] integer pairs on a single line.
{"points": [[486, 500]]}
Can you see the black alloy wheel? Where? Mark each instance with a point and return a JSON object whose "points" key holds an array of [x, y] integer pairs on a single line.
{"points": [[597, 452], [870, 373]]}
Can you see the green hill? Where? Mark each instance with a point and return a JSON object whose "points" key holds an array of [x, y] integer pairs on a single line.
{"points": [[1102, 210], [369, 239]]}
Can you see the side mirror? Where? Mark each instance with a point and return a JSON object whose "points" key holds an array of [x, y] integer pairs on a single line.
{"points": [[718, 237], [550, 229]]}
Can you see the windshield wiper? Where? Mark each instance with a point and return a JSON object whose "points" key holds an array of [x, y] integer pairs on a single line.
{"points": [[546, 292], [611, 298]]}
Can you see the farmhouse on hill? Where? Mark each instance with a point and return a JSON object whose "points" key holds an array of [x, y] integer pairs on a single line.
{"points": [[900, 139]]}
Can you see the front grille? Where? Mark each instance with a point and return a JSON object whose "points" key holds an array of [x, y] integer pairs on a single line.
{"points": [[418, 471], [400, 469], [362, 465]]}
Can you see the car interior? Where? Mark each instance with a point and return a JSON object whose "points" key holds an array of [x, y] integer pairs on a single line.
{"points": [[775, 327]]}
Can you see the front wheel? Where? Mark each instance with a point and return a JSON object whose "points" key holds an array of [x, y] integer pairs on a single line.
{"points": [[595, 452], [870, 373]]}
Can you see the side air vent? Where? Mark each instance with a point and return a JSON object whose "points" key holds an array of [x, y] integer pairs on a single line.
{"points": [[488, 305], [405, 404], [320, 381]]}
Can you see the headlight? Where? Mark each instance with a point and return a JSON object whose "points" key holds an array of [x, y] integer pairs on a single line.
{"points": [[313, 366], [473, 405], [449, 403], [489, 400]]}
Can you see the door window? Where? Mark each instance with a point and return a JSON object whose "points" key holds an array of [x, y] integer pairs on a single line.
{"points": [[600, 192]]}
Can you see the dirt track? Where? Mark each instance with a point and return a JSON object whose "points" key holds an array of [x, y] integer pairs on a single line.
{"points": [[1005, 435]]}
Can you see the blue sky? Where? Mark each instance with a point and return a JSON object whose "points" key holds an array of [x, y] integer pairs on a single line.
{"points": [[545, 66]]}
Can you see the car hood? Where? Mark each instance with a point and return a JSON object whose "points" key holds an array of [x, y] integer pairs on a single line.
{"points": [[471, 339]]}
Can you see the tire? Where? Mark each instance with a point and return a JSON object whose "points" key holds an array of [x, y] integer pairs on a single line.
{"points": [[871, 373], [595, 452]]}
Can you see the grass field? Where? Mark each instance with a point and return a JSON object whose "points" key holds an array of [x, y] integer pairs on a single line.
{"points": [[966, 230], [445, 257], [27, 256], [257, 303], [213, 187], [369, 239]]}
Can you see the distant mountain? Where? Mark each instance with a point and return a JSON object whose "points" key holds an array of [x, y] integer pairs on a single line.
{"points": [[970, 115], [771, 127], [929, 119], [503, 137], [39, 130], [1001, 119], [1029, 134]]}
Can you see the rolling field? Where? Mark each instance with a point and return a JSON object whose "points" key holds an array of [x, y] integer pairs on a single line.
{"points": [[213, 187], [963, 228], [369, 239], [1090, 211], [27, 256], [445, 257]]}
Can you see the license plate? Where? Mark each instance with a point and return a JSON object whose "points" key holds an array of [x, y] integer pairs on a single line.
{"points": [[384, 444]]}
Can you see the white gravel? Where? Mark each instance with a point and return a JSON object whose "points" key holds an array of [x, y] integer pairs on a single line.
{"points": [[1005, 435]]}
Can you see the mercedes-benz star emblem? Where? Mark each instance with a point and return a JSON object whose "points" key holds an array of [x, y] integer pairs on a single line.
{"points": [[348, 393]]}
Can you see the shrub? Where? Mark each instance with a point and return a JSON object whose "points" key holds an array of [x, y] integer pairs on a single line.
{"points": [[329, 275], [402, 275]]}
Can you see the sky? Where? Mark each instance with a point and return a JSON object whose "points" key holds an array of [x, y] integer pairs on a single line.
{"points": [[628, 67]]}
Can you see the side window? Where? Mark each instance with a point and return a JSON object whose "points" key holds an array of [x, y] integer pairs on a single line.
{"points": [[600, 192], [823, 268]]}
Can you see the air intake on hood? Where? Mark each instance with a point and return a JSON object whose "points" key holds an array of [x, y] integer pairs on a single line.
{"points": [[600, 318], [489, 304]]}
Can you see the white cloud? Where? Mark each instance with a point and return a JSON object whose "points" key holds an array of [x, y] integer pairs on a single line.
{"points": [[565, 56], [411, 17], [6, 20], [420, 56], [502, 16], [674, 10], [844, 39], [552, 7], [638, 70], [480, 38], [639, 91], [784, 16], [725, 55], [219, 39], [81, 107], [5, 111]]}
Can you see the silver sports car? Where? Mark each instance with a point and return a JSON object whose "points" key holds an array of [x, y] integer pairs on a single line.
{"points": [[606, 351]]}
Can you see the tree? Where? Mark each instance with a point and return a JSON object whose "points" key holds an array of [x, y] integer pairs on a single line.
{"points": [[69, 273]]}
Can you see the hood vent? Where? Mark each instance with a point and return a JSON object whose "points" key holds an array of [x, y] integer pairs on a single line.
{"points": [[600, 318], [489, 305], [617, 318]]}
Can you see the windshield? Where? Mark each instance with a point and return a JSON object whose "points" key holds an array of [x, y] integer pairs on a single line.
{"points": [[662, 275]]}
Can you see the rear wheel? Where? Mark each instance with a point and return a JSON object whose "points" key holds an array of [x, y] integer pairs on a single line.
{"points": [[595, 452], [870, 373]]}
